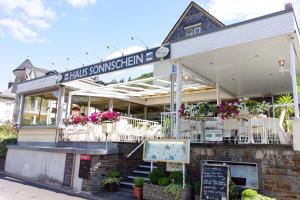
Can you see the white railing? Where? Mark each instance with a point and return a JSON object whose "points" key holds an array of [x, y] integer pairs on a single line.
{"points": [[244, 129], [126, 130]]}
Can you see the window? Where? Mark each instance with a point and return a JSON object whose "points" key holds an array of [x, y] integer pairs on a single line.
{"points": [[193, 30], [40, 109], [244, 175]]}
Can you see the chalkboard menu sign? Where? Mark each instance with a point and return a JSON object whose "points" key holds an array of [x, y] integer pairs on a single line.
{"points": [[69, 167], [215, 182], [85, 166]]}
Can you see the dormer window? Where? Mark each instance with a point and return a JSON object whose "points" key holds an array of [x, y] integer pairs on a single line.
{"points": [[193, 29]]}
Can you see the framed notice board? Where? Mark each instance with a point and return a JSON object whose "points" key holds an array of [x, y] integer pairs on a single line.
{"points": [[215, 182], [69, 170]]}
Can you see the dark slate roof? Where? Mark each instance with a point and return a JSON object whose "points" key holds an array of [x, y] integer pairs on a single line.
{"points": [[8, 94], [24, 65], [191, 6]]}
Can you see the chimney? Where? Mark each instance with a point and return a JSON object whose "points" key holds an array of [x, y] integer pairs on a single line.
{"points": [[288, 6], [10, 84]]}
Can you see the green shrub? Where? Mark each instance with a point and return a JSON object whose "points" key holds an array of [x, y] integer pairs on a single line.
{"points": [[164, 181], [234, 191], [249, 194], [4, 142], [114, 174], [197, 186], [176, 177], [155, 175], [139, 182], [174, 190], [109, 180]]}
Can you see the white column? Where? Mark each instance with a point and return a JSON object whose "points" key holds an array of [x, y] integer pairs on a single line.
{"points": [[21, 109], [178, 99], [172, 101], [111, 104], [68, 113], [218, 93], [60, 105], [294, 78], [89, 106]]}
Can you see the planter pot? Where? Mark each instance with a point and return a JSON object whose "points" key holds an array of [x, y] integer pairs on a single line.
{"points": [[197, 197], [113, 187], [186, 194], [137, 193], [106, 187]]}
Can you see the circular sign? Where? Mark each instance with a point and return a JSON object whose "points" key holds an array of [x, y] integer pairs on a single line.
{"points": [[162, 52]]}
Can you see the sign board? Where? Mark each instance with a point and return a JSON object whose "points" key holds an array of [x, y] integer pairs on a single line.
{"points": [[69, 168], [140, 58], [173, 167], [85, 166], [167, 150], [215, 182]]}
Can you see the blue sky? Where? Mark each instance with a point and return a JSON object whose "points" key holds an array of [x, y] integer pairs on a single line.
{"points": [[50, 31]]}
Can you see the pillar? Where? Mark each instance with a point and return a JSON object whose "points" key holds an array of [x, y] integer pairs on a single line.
{"points": [[111, 104], [294, 78], [178, 99], [60, 105]]}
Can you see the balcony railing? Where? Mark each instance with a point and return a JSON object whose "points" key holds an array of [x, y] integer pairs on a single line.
{"points": [[247, 129], [125, 130]]}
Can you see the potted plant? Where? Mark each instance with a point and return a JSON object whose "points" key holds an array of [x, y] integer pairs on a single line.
{"points": [[138, 188], [197, 190], [112, 181], [174, 190], [285, 103]]}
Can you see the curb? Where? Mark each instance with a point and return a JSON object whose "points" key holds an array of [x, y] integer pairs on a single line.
{"points": [[55, 188]]}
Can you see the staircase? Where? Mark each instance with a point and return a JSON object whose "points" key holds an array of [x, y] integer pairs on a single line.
{"points": [[142, 170]]}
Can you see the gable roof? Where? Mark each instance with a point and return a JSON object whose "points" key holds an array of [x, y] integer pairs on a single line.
{"points": [[26, 64], [192, 4]]}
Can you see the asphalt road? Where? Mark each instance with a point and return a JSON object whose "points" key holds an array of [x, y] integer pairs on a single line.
{"points": [[14, 189]]}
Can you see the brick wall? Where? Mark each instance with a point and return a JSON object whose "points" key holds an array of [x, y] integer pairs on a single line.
{"points": [[278, 165]]}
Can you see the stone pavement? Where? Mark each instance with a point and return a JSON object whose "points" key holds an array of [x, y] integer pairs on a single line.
{"points": [[20, 189]]}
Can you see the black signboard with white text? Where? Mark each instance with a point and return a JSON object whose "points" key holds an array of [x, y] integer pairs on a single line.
{"points": [[215, 182], [69, 168], [140, 58]]}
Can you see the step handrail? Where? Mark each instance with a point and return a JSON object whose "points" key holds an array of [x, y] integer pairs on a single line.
{"points": [[136, 148]]}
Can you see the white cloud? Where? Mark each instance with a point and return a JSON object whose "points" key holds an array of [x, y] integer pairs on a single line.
{"points": [[237, 10], [81, 3], [26, 19], [19, 30]]}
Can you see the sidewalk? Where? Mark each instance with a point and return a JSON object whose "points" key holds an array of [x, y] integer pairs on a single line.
{"points": [[14, 187]]}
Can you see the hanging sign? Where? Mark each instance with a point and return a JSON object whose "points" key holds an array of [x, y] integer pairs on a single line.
{"points": [[215, 182], [85, 166], [141, 58]]}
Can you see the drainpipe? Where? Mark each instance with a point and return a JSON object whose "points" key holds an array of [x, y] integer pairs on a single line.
{"points": [[178, 99]]}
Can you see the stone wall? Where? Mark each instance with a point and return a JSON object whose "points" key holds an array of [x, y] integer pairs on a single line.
{"points": [[278, 165], [100, 167], [127, 165]]}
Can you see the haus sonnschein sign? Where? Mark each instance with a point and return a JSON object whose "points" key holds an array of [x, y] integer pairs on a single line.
{"points": [[140, 58]]}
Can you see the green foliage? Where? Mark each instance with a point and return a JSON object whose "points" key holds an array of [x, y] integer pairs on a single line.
{"points": [[197, 186], [8, 135], [155, 175], [139, 182], [249, 194], [176, 177], [174, 190], [288, 102], [143, 76], [164, 181], [167, 125], [114, 174], [234, 191], [109, 180]]}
